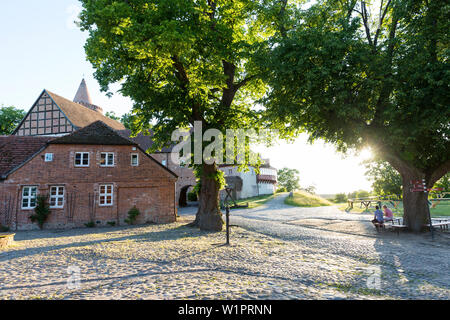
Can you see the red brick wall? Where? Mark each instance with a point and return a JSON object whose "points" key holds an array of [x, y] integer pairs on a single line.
{"points": [[185, 174], [148, 186]]}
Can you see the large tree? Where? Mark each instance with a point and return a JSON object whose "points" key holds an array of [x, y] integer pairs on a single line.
{"points": [[288, 178], [385, 179], [9, 119], [181, 62], [354, 74]]}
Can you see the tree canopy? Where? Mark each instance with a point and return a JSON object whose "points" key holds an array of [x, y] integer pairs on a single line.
{"points": [[10, 117], [289, 179], [125, 119], [355, 75], [386, 181], [183, 61]]}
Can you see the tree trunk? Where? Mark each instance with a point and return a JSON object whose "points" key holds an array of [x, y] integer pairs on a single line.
{"points": [[415, 207], [209, 217], [415, 204]]}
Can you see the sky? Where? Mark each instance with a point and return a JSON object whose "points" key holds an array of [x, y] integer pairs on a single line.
{"points": [[41, 48]]}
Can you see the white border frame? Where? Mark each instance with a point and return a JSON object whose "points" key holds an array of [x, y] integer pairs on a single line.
{"points": [[106, 194], [57, 197], [108, 165], [81, 165], [28, 197], [131, 159]]}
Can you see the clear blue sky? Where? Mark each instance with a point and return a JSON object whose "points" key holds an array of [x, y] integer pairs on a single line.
{"points": [[42, 48]]}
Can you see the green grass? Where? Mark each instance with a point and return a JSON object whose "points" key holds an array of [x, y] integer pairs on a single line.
{"points": [[254, 202], [441, 210], [304, 199]]}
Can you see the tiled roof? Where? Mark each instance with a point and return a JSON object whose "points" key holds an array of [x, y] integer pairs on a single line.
{"points": [[144, 141], [82, 116], [15, 151], [95, 133]]}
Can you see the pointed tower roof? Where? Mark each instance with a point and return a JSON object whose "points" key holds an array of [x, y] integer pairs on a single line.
{"points": [[82, 94]]}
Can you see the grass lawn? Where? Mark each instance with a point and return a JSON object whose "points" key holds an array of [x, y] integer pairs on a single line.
{"points": [[255, 201], [304, 199], [442, 210]]}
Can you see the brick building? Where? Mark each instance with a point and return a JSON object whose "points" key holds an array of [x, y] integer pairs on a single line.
{"points": [[186, 178], [92, 174], [53, 115]]}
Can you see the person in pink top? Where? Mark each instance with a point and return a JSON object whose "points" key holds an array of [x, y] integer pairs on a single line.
{"points": [[388, 213]]}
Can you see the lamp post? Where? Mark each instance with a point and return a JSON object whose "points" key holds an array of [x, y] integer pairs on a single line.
{"points": [[227, 213]]}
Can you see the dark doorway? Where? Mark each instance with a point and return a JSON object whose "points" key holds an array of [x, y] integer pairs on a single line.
{"points": [[182, 201]]}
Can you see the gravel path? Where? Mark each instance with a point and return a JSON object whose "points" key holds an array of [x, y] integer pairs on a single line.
{"points": [[277, 252]]}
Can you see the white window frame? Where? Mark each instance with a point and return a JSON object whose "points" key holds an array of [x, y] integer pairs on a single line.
{"points": [[29, 197], [57, 196], [48, 157], [137, 159], [105, 195], [106, 159], [82, 157]]}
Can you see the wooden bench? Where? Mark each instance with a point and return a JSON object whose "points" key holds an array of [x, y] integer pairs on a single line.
{"points": [[394, 225], [442, 224], [398, 227]]}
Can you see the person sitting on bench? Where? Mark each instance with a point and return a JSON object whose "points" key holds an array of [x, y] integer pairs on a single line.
{"points": [[378, 217], [388, 213]]}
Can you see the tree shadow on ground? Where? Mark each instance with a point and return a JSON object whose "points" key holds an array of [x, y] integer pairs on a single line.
{"points": [[412, 261], [138, 234]]}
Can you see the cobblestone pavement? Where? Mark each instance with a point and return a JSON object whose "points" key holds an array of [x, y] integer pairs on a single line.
{"points": [[276, 252]]}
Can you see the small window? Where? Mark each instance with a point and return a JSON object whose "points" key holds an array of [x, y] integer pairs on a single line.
{"points": [[56, 197], [29, 197], [107, 159], [106, 195], [134, 159], [82, 159], [48, 157], [164, 163]]}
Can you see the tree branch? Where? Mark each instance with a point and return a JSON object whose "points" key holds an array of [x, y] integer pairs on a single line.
{"points": [[281, 16], [242, 83], [437, 173], [366, 21], [382, 16], [387, 86]]}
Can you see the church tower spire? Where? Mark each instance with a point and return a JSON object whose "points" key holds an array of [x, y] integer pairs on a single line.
{"points": [[82, 94], [82, 97]]}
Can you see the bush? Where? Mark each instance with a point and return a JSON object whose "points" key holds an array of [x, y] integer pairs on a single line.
{"points": [[340, 197], [90, 224], [132, 215], [111, 223], [42, 210], [281, 189], [192, 196], [4, 228]]}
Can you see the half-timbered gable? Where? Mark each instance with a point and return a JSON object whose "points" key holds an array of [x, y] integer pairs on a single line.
{"points": [[52, 114], [44, 118]]}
